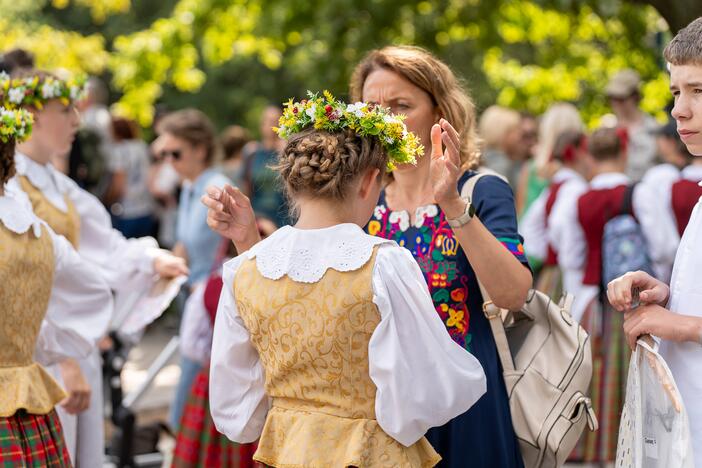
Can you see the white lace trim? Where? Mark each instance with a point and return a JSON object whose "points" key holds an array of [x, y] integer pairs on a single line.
{"points": [[305, 255], [15, 216], [43, 177]]}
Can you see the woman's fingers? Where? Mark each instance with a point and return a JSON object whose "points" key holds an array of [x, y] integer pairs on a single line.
{"points": [[211, 203], [452, 133], [237, 195], [453, 152], [436, 146]]}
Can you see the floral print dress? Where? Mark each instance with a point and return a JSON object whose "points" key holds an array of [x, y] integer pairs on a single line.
{"points": [[483, 436]]}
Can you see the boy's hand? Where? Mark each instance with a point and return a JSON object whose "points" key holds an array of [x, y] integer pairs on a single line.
{"points": [[652, 290], [655, 320]]}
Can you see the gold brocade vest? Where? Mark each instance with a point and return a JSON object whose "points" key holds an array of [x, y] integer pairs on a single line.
{"points": [[313, 343], [64, 224], [26, 277]]}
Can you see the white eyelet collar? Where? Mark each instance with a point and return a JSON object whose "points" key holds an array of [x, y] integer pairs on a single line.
{"points": [[17, 217], [305, 255]]}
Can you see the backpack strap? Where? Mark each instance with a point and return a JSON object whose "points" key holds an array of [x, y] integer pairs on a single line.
{"points": [[491, 311], [628, 201]]}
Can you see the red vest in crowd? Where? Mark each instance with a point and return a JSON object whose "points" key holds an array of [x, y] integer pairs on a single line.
{"points": [[684, 196], [551, 255], [595, 208]]}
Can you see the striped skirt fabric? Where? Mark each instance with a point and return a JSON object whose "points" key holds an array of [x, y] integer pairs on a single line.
{"points": [[198, 443], [32, 441], [610, 365]]}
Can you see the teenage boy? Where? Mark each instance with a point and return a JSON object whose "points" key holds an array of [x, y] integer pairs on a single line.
{"points": [[674, 314]]}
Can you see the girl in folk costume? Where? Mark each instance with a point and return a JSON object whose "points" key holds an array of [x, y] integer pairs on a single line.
{"points": [[38, 270], [327, 347], [454, 241], [547, 235], [604, 200], [77, 215]]}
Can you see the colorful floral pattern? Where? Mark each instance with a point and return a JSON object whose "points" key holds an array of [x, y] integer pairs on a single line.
{"points": [[431, 241], [434, 246]]}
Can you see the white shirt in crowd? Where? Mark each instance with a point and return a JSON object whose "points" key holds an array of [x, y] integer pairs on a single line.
{"points": [[410, 339], [661, 236], [685, 359], [132, 158], [642, 149]]}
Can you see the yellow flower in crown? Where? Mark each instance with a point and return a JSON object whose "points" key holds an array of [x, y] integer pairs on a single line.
{"points": [[15, 125], [35, 91], [326, 113]]}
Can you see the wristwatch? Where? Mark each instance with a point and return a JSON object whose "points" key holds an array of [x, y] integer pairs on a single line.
{"points": [[465, 218]]}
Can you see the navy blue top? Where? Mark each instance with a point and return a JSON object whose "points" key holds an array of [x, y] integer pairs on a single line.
{"points": [[483, 436]]}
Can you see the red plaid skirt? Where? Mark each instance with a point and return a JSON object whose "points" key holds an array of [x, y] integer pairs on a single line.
{"points": [[32, 440], [198, 443]]}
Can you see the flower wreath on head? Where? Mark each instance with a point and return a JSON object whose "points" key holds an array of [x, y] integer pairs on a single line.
{"points": [[15, 125], [36, 91], [326, 113]]}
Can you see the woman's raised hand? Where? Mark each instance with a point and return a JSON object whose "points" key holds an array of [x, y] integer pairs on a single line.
{"points": [[445, 164], [229, 213], [446, 168]]}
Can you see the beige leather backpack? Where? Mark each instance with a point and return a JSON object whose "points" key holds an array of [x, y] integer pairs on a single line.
{"points": [[547, 367]]}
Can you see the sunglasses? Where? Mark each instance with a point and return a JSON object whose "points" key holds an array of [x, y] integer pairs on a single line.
{"points": [[175, 154]]}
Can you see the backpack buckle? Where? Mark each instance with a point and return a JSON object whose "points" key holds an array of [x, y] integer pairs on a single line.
{"points": [[491, 311]]}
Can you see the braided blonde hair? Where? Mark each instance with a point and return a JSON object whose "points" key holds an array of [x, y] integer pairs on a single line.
{"points": [[323, 164]]}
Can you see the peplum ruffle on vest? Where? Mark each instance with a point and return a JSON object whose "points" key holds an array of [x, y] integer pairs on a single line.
{"points": [[28, 387]]}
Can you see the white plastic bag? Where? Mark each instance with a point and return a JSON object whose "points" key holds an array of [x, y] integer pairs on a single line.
{"points": [[654, 431]]}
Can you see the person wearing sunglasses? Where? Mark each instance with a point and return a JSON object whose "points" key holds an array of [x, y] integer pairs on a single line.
{"points": [[188, 141]]}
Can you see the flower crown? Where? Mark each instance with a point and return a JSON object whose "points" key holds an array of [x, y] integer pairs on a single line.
{"points": [[326, 113], [15, 125], [36, 91]]}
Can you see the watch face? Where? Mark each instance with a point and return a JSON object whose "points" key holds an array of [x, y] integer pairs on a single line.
{"points": [[471, 210]]}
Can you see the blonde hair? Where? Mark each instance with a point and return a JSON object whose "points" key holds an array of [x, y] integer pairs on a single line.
{"points": [[559, 118], [686, 46], [495, 123], [434, 77], [322, 164]]}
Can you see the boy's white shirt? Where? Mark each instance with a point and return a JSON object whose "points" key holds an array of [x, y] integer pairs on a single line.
{"points": [[685, 359], [533, 225], [693, 173], [567, 239], [423, 378]]}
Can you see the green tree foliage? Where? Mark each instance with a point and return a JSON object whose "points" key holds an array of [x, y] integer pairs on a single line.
{"points": [[232, 57]]}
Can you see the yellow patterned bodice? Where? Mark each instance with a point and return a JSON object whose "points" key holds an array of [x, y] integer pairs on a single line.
{"points": [[26, 276], [313, 343], [64, 224]]}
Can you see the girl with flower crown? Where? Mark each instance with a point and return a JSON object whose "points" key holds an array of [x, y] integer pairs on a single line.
{"points": [[323, 330], [38, 271], [454, 240], [85, 223]]}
